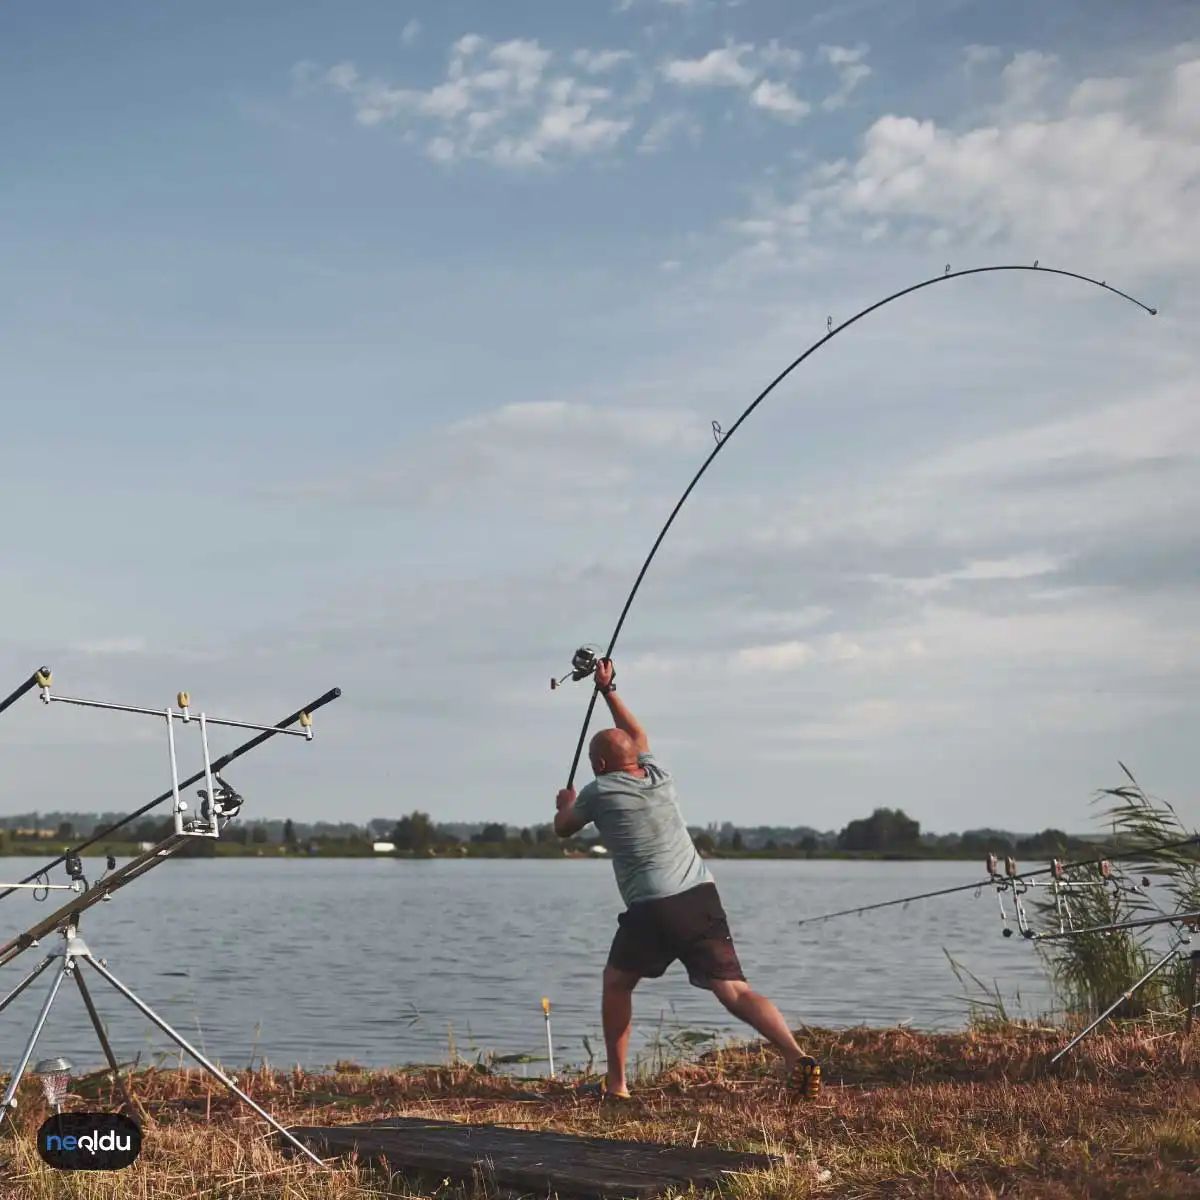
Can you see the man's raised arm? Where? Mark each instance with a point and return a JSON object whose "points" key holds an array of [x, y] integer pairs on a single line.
{"points": [[623, 719]]}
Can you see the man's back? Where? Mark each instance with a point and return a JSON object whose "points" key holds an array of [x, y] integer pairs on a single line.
{"points": [[642, 827]]}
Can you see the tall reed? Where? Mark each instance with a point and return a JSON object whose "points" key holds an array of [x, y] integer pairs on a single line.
{"points": [[1090, 970]]}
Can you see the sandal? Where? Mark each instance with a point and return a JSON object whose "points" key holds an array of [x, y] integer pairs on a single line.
{"points": [[805, 1078]]}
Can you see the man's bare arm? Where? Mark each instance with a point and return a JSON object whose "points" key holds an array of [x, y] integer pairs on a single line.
{"points": [[623, 719], [568, 822]]}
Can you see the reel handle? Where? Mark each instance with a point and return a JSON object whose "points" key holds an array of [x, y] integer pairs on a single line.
{"points": [[583, 663]]}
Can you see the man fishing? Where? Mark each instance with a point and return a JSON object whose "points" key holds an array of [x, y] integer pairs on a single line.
{"points": [[673, 910]]}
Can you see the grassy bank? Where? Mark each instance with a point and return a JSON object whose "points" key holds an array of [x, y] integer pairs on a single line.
{"points": [[903, 1115]]}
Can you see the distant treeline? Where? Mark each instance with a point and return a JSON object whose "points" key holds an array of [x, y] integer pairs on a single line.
{"points": [[886, 833]]}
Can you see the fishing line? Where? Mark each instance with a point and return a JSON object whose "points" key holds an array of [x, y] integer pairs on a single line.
{"points": [[721, 437]]}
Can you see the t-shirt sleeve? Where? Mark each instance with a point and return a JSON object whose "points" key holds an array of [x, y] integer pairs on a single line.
{"points": [[585, 801], [651, 764]]}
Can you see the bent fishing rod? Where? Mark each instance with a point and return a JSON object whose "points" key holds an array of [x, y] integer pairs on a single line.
{"points": [[585, 660], [302, 715]]}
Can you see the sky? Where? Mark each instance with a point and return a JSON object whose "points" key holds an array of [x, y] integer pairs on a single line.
{"points": [[370, 345]]}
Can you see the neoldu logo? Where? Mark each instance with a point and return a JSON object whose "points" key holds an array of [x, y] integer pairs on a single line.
{"points": [[89, 1141]]}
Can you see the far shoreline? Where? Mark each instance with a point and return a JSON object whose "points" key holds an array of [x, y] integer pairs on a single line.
{"points": [[478, 853]]}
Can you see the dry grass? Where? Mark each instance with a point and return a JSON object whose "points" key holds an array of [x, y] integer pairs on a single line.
{"points": [[903, 1115]]}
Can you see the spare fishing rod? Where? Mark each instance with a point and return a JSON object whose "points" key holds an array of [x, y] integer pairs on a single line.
{"points": [[994, 880], [27, 686], [723, 438], [303, 715]]}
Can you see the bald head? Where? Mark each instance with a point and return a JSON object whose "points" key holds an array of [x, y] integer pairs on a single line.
{"points": [[613, 750]]}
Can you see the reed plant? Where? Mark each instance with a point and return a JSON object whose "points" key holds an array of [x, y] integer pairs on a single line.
{"points": [[1090, 970]]}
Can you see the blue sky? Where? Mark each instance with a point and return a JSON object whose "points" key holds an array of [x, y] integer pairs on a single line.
{"points": [[369, 345]]}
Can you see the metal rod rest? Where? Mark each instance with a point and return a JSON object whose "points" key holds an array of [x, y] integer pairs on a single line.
{"points": [[1140, 923], [96, 894], [1125, 995], [188, 1048], [219, 765], [186, 718], [6, 1104], [42, 887]]}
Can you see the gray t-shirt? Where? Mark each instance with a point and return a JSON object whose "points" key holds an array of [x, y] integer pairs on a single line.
{"points": [[642, 827]]}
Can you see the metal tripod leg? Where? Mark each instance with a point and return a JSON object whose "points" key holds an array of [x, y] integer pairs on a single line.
{"points": [[213, 1070], [131, 1107], [7, 1104], [1191, 992], [1158, 966], [28, 980]]}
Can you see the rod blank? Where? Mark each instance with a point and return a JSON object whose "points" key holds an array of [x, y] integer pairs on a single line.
{"points": [[831, 332], [27, 686]]}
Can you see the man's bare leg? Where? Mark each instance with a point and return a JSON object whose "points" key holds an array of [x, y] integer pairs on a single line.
{"points": [[617, 1015], [761, 1015]]}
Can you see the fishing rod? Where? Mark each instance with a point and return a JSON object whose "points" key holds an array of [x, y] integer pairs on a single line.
{"points": [[1056, 868], [723, 438], [27, 686], [301, 715], [1189, 919]]}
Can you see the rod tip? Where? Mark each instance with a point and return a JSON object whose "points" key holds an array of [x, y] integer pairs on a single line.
{"points": [[1152, 311]]}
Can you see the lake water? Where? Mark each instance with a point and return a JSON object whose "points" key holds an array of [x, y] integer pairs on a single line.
{"points": [[308, 961]]}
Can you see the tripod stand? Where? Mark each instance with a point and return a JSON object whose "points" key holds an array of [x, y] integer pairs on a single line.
{"points": [[75, 951], [219, 805], [1178, 951]]}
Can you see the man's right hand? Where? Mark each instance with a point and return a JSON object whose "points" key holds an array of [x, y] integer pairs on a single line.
{"points": [[604, 673]]}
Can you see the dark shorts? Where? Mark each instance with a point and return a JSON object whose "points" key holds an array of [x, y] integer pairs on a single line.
{"points": [[690, 927]]}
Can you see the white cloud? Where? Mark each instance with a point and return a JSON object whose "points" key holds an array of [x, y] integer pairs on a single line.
{"points": [[718, 68], [1025, 79], [467, 45], [784, 58], [1025, 566], [781, 656], [851, 70], [500, 102], [410, 32], [864, 720], [111, 646], [663, 130], [527, 455], [976, 55], [1112, 165], [598, 62], [779, 99]]}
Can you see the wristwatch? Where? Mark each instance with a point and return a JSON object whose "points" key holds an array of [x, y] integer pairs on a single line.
{"points": [[607, 691]]}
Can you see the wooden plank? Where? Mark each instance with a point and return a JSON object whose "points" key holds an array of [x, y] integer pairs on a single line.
{"points": [[530, 1160]]}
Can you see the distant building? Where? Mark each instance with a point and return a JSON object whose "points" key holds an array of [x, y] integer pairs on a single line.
{"points": [[597, 851], [384, 848]]}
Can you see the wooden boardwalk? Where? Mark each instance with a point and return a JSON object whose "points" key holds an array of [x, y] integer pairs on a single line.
{"points": [[528, 1163]]}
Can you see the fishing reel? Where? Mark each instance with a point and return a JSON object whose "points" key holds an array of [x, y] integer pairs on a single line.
{"points": [[584, 662], [224, 806]]}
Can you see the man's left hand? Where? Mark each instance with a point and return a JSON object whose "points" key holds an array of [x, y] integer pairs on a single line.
{"points": [[566, 797]]}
